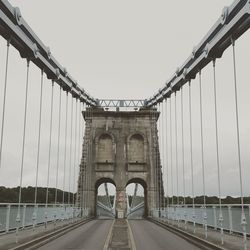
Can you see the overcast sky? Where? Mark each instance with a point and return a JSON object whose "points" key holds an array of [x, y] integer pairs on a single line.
{"points": [[127, 49]]}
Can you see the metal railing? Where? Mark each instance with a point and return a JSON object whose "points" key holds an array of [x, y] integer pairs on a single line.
{"points": [[231, 215], [45, 214]]}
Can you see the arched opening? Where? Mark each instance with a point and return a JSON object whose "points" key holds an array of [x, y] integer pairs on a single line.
{"points": [[105, 191], [136, 192]]}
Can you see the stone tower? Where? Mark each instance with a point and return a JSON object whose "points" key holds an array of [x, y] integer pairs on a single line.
{"points": [[120, 147]]}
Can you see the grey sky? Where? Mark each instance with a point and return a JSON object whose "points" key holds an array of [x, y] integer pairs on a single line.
{"points": [[127, 49]]}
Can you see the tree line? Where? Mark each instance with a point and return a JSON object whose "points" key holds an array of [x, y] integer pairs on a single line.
{"points": [[209, 200], [10, 195]]}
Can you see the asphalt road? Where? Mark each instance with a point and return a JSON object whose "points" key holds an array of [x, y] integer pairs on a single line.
{"points": [[90, 236], [149, 236]]}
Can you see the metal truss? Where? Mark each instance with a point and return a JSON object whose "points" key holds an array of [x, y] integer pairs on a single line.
{"points": [[121, 103], [14, 29], [233, 22]]}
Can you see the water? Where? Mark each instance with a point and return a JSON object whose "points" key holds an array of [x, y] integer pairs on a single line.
{"points": [[8, 214], [212, 216]]}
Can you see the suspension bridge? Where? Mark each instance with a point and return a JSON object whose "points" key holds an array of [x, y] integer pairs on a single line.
{"points": [[126, 173]]}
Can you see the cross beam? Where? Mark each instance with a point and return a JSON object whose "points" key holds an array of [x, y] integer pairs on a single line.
{"points": [[109, 103]]}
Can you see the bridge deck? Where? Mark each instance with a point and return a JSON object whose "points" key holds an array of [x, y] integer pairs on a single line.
{"points": [[120, 234], [149, 236], [89, 236]]}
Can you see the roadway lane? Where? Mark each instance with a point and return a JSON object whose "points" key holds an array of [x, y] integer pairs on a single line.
{"points": [[148, 236], [90, 236]]}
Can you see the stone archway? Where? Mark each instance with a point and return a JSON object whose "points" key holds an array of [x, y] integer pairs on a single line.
{"points": [[98, 183], [120, 147], [144, 185]]}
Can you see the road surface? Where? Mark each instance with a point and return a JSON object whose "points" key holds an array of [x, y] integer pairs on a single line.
{"points": [[90, 236], [149, 236], [93, 235]]}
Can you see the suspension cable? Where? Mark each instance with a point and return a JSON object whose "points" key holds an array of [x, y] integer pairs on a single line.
{"points": [[202, 158], [82, 178], [172, 160], [86, 152], [90, 156], [191, 152], [163, 157], [18, 218], [176, 161], [156, 161], [87, 159], [75, 150], [34, 216], [183, 152], [50, 137], [39, 136], [237, 127], [176, 153], [167, 184], [107, 194], [183, 159], [65, 147], [202, 143], [152, 143], [153, 119], [159, 160], [84, 144], [49, 156], [70, 150], [79, 194], [58, 143], [4, 100], [24, 133], [171, 150], [217, 151], [243, 216]]}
